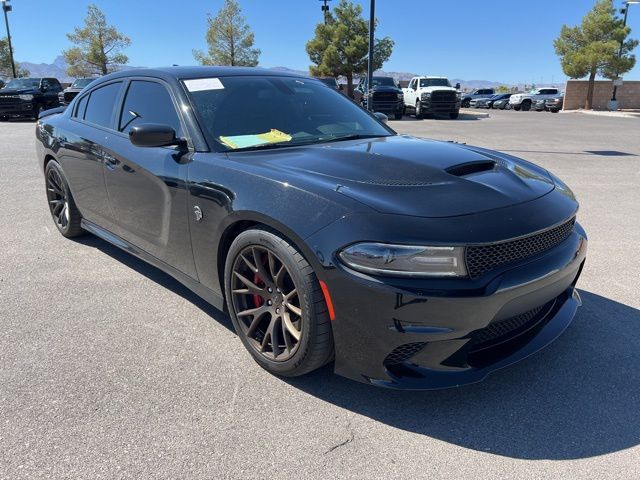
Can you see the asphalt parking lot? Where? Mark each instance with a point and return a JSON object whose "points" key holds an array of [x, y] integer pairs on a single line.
{"points": [[111, 369]]}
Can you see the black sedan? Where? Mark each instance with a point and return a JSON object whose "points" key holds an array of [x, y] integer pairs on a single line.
{"points": [[408, 262]]}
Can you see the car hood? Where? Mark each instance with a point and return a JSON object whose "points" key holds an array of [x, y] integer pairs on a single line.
{"points": [[410, 176], [18, 91]]}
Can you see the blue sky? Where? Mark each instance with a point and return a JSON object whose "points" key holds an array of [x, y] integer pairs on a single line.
{"points": [[498, 40]]}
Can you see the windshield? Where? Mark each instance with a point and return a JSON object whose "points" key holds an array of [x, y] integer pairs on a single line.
{"points": [[24, 83], [329, 81], [383, 81], [434, 82], [247, 112], [81, 82]]}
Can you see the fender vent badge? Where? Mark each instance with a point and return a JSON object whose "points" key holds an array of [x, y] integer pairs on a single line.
{"points": [[198, 213]]}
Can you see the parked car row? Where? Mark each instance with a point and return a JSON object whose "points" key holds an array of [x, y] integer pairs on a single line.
{"points": [[549, 99], [28, 97]]}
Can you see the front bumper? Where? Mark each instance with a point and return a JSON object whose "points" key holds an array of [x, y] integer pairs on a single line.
{"points": [[429, 106], [427, 337]]}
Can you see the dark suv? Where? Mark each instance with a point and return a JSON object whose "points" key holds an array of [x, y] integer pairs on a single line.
{"points": [[27, 97], [385, 94]]}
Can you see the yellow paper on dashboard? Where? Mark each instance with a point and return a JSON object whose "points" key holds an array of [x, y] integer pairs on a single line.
{"points": [[244, 141]]}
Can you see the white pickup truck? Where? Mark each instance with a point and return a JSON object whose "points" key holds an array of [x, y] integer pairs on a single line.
{"points": [[524, 101], [430, 96]]}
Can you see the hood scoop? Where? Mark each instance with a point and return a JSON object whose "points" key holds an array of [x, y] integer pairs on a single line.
{"points": [[469, 168]]}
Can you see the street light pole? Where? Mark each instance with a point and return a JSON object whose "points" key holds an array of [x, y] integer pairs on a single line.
{"points": [[624, 24], [372, 26], [7, 8], [325, 9]]}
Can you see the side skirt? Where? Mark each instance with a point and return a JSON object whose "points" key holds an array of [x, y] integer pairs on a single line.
{"points": [[196, 287]]}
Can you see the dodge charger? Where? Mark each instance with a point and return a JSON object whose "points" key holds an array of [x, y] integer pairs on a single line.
{"points": [[406, 262]]}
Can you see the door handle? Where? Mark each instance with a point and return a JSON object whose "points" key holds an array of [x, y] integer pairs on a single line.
{"points": [[110, 161]]}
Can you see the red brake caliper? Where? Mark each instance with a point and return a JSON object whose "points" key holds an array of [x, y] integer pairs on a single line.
{"points": [[257, 299]]}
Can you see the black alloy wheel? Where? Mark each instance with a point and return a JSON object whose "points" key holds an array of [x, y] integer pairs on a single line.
{"points": [[63, 209], [276, 304]]}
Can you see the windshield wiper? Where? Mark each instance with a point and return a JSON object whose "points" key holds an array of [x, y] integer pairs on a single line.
{"points": [[352, 136], [267, 146]]}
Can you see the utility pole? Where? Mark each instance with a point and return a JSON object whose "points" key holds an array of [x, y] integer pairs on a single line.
{"points": [[372, 26], [625, 10], [325, 9], [7, 8]]}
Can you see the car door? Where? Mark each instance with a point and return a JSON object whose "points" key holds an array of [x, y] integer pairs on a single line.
{"points": [[49, 92], [411, 93], [81, 151], [147, 185]]}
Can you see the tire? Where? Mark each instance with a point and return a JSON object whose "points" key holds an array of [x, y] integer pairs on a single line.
{"points": [[261, 252], [516, 108], [63, 209], [397, 116], [466, 103], [507, 106], [418, 110], [36, 111], [454, 115], [526, 106]]}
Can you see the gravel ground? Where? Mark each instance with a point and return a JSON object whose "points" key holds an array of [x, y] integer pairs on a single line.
{"points": [[111, 369]]}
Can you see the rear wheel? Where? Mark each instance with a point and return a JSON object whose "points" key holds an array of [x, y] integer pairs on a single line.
{"points": [[63, 208], [466, 103], [276, 304]]}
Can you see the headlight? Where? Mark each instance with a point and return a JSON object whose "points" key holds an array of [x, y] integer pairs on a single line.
{"points": [[405, 260], [426, 96], [459, 95], [28, 98]]}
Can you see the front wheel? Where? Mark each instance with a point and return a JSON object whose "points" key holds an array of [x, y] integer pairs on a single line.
{"points": [[398, 116], [516, 108], [526, 106], [418, 110], [276, 304], [454, 115]]}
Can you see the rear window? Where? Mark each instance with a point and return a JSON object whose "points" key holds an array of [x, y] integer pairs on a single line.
{"points": [[100, 106]]}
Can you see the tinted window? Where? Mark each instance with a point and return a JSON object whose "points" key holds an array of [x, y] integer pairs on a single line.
{"points": [[148, 102], [434, 82], [247, 111], [101, 102], [82, 106]]}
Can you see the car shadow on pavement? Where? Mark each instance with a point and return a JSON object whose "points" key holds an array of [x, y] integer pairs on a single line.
{"points": [[578, 398], [158, 276]]}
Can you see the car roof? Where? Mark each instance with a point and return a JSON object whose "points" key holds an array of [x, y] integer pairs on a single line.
{"points": [[198, 72]]}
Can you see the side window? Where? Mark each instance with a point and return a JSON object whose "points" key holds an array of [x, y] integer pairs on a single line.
{"points": [[99, 109], [148, 102], [82, 106]]}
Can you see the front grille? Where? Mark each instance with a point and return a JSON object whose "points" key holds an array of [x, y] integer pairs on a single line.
{"points": [[481, 259], [9, 100], [403, 353], [443, 96], [385, 96], [503, 328]]}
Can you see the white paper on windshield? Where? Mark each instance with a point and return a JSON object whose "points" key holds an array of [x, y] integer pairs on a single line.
{"points": [[202, 84]]}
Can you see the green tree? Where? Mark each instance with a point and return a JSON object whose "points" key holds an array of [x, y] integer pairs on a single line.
{"points": [[229, 38], [341, 46], [591, 48], [98, 47], [503, 89], [5, 62]]}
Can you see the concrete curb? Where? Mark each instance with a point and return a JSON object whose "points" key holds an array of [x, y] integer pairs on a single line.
{"points": [[604, 113]]}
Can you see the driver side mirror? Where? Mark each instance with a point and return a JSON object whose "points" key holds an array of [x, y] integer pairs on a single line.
{"points": [[458, 86], [154, 135], [381, 116]]}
